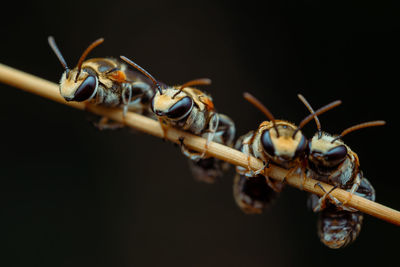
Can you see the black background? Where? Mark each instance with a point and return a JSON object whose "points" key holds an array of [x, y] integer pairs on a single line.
{"points": [[74, 196]]}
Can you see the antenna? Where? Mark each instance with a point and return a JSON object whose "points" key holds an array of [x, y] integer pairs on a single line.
{"points": [[358, 127], [249, 97], [305, 102], [148, 75], [318, 112], [202, 81], [85, 53], [56, 51]]}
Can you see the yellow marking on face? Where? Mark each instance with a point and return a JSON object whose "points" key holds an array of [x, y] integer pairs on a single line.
{"points": [[68, 86], [324, 143], [285, 144], [164, 102]]}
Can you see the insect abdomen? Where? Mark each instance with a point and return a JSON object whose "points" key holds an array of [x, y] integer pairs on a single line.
{"points": [[337, 229], [253, 194]]}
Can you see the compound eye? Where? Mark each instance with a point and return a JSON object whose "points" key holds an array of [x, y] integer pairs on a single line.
{"points": [[86, 89], [267, 143], [180, 109], [336, 154], [302, 147]]}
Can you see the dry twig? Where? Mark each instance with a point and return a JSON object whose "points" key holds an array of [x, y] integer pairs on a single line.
{"points": [[50, 90]]}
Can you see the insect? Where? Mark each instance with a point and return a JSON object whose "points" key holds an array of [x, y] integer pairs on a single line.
{"points": [[192, 110], [104, 81], [331, 161], [276, 142]]}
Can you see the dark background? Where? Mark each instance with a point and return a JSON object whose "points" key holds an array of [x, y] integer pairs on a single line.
{"points": [[74, 196]]}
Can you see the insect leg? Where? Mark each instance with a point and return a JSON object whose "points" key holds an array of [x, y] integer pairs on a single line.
{"points": [[189, 153], [289, 173], [277, 186], [245, 171], [125, 101], [105, 123], [244, 144], [322, 200], [366, 190], [262, 169], [203, 169], [164, 128], [303, 168], [226, 130], [213, 125], [353, 189]]}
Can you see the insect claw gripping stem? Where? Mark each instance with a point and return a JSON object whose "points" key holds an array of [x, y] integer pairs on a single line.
{"points": [[266, 170], [321, 202], [164, 129], [261, 170], [303, 174], [289, 173], [213, 126], [203, 155], [273, 184], [181, 139]]}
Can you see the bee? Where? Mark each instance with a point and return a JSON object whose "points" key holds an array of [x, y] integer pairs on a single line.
{"points": [[192, 110], [104, 81], [331, 161], [276, 142]]}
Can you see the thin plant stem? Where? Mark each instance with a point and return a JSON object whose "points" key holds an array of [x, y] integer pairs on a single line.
{"points": [[50, 90]]}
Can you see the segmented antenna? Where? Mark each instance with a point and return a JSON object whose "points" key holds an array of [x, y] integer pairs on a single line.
{"points": [[85, 53], [305, 102], [249, 97], [148, 75], [358, 127], [202, 81], [56, 51], [318, 112]]}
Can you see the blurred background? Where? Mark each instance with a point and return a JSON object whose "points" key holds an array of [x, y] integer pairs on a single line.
{"points": [[75, 196]]}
